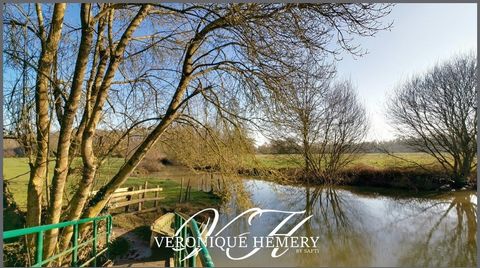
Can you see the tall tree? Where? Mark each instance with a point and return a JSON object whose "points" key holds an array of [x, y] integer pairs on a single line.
{"points": [[436, 113], [140, 65], [324, 118]]}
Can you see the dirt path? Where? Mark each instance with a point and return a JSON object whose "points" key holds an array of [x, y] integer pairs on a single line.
{"points": [[140, 254], [139, 249]]}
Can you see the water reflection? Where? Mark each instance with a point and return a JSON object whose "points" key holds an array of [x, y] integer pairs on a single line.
{"points": [[344, 240], [450, 236], [358, 228]]}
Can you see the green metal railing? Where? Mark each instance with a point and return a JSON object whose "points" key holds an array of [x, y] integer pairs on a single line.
{"points": [[192, 230], [40, 230]]}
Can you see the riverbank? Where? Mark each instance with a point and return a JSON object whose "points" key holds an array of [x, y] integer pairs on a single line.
{"points": [[368, 170]]}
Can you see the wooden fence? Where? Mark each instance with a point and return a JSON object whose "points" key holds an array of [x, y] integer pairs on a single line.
{"points": [[134, 200]]}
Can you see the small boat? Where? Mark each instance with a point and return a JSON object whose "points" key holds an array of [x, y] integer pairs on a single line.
{"points": [[163, 226]]}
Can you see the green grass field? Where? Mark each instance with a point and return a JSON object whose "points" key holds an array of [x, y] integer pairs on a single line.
{"points": [[15, 172], [375, 160]]}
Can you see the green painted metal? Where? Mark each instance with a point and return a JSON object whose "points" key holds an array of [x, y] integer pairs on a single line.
{"points": [[39, 230], [94, 246], [75, 246], [39, 252], [204, 254], [192, 230]]}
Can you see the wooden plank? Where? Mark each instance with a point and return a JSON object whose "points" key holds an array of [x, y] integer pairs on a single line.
{"points": [[131, 202], [143, 211], [118, 199], [119, 190], [137, 192], [135, 212]]}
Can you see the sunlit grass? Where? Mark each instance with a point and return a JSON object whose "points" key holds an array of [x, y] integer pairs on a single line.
{"points": [[16, 173], [375, 160]]}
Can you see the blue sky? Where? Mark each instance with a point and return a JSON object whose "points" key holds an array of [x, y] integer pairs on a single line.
{"points": [[422, 35]]}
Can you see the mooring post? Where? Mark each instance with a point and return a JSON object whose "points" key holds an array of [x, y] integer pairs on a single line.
{"points": [[155, 203], [129, 197], [180, 195], [144, 194], [187, 189], [139, 198], [211, 182]]}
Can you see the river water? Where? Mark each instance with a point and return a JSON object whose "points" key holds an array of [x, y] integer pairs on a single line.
{"points": [[354, 226]]}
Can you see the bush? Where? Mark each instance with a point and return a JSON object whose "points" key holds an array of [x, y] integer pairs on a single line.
{"points": [[15, 255], [414, 179], [149, 166]]}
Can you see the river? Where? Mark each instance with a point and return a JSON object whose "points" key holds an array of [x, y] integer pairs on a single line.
{"points": [[356, 227]]}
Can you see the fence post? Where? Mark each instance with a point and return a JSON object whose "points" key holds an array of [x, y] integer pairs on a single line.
{"points": [[211, 182], [39, 250], [184, 236], [155, 203], [94, 249], [129, 197], [139, 207], [145, 187], [180, 195], [75, 246], [107, 236], [187, 190], [176, 254]]}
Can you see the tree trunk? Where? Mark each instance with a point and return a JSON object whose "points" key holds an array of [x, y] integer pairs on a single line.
{"points": [[39, 169], [103, 195], [80, 197], [65, 138]]}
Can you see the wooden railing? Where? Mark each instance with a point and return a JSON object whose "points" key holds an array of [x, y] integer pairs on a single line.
{"points": [[134, 200]]}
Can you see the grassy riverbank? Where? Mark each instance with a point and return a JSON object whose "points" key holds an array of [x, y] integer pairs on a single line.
{"points": [[372, 160], [15, 172], [412, 171]]}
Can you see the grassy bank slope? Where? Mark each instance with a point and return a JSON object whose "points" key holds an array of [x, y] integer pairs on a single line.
{"points": [[15, 172], [373, 160]]}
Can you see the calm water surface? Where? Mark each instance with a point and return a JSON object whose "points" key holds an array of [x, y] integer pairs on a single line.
{"points": [[358, 227]]}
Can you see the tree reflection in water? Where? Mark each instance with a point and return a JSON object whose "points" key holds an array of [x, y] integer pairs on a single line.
{"points": [[336, 220], [450, 239], [360, 226]]}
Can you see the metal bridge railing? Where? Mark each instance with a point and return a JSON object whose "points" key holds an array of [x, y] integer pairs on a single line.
{"points": [[40, 230], [191, 231]]}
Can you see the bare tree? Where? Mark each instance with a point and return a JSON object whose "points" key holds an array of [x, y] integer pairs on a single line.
{"points": [[324, 119], [436, 113], [127, 66], [343, 126], [297, 114]]}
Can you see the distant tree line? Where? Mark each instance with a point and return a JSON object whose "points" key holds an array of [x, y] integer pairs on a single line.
{"points": [[289, 146]]}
